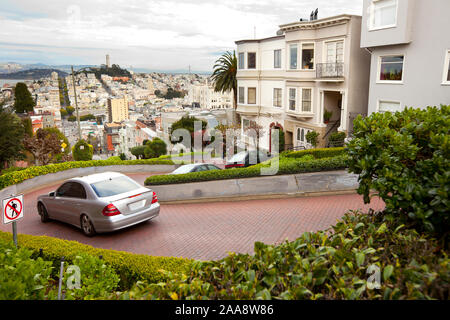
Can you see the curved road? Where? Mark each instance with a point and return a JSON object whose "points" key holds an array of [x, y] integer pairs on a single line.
{"points": [[206, 231]]}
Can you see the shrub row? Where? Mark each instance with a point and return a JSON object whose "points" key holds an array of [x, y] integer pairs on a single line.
{"points": [[31, 172], [317, 153], [362, 257], [24, 277], [285, 167], [130, 267]]}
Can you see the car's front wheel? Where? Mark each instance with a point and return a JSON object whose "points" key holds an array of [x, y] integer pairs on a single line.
{"points": [[43, 213], [86, 226]]}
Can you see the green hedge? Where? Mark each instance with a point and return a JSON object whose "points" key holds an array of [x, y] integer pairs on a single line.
{"points": [[31, 172], [130, 267], [285, 167], [335, 264], [317, 153]]}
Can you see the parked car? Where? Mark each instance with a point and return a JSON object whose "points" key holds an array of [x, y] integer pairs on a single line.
{"points": [[98, 203], [195, 167], [246, 158]]}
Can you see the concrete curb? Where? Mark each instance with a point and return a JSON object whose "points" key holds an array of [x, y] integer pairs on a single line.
{"points": [[318, 183]]}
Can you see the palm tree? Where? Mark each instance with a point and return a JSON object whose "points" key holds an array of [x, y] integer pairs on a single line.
{"points": [[224, 75]]}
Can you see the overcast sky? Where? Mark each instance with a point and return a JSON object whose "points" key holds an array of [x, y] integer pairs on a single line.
{"points": [[155, 34]]}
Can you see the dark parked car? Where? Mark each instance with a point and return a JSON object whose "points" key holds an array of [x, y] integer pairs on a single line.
{"points": [[246, 158]]}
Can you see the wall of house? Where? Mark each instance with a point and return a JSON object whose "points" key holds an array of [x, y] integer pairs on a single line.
{"points": [[424, 61]]}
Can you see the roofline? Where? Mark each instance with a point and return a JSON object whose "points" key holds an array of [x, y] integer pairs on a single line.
{"points": [[259, 40], [318, 23]]}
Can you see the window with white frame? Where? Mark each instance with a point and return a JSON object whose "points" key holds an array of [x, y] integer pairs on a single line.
{"points": [[389, 106], [277, 59], [251, 96], [292, 99], [293, 56], [446, 77], [383, 14], [306, 100], [241, 60], [391, 68], [307, 56], [251, 60], [241, 95], [335, 51], [277, 97]]}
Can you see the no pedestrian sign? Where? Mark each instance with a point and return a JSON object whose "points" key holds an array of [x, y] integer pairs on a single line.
{"points": [[12, 209]]}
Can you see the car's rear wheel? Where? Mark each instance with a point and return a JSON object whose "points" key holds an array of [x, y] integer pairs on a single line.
{"points": [[43, 213], [86, 226]]}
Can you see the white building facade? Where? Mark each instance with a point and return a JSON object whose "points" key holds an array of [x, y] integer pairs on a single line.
{"points": [[290, 80]]}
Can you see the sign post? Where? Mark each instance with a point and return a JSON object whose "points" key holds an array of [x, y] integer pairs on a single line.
{"points": [[12, 212]]}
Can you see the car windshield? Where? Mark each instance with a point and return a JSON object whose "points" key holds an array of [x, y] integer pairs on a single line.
{"points": [[114, 186], [184, 169], [238, 157]]}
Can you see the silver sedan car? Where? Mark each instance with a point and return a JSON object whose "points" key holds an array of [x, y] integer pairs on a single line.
{"points": [[98, 203]]}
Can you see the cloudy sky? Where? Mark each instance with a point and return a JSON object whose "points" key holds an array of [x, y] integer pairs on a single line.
{"points": [[153, 34]]}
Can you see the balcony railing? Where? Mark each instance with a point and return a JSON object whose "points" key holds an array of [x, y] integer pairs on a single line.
{"points": [[330, 70]]}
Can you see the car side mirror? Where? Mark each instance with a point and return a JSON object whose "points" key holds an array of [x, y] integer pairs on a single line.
{"points": [[51, 194]]}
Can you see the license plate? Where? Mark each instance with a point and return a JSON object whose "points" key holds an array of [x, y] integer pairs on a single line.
{"points": [[136, 205]]}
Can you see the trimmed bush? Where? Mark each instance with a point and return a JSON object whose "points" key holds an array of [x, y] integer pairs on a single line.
{"points": [[332, 264], [21, 276], [404, 158], [337, 139], [82, 151], [130, 267], [31, 172], [285, 167], [317, 153]]}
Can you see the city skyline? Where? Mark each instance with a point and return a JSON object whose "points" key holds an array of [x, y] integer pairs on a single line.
{"points": [[169, 35]]}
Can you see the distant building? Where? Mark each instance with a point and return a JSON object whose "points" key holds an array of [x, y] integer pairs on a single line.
{"points": [[54, 76], [107, 61], [117, 110]]}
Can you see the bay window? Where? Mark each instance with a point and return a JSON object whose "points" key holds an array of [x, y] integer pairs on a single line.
{"points": [[308, 56], [292, 99], [251, 96], [241, 60], [293, 56], [277, 59], [251, 60], [306, 100], [241, 95], [277, 97]]}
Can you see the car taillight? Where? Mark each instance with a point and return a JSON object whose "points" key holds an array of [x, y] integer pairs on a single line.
{"points": [[110, 210], [155, 198]]}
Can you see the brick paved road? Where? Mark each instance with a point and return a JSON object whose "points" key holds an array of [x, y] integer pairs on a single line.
{"points": [[206, 230]]}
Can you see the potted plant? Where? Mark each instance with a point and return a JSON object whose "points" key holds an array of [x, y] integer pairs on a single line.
{"points": [[327, 116]]}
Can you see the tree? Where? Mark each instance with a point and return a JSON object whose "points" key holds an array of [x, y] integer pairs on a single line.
{"points": [[23, 100], [312, 138], [187, 123], [138, 152], [43, 146], [70, 110], [155, 148], [62, 139], [11, 136], [82, 151], [64, 113], [255, 131], [224, 75], [27, 126]]}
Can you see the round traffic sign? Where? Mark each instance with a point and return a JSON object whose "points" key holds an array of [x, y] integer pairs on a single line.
{"points": [[13, 209]]}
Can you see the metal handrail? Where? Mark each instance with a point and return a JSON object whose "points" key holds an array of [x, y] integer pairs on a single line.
{"points": [[330, 70]]}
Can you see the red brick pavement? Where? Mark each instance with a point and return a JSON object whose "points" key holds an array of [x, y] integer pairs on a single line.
{"points": [[206, 230]]}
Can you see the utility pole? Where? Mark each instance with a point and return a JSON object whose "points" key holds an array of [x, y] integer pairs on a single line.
{"points": [[76, 104]]}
